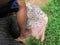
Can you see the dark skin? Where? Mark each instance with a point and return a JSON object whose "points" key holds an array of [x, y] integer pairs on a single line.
{"points": [[21, 14], [22, 19]]}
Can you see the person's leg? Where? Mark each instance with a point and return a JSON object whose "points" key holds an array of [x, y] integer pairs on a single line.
{"points": [[5, 37]]}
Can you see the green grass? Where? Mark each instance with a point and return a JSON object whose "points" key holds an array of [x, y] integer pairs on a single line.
{"points": [[52, 9]]}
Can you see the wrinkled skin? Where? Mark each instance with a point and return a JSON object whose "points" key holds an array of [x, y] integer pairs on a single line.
{"points": [[35, 31], [37, 20]]}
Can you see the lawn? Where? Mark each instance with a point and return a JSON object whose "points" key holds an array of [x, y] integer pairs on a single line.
{"points": [[52, 9]]}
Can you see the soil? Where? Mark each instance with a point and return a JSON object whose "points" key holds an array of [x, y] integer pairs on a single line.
{"points": [[39, 2]]}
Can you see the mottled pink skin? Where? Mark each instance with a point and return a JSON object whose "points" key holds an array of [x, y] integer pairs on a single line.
{"points": [[36, 23]]}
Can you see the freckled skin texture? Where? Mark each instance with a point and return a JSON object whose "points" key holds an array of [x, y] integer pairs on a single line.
{"points": [[38, 23], [21, 18]]}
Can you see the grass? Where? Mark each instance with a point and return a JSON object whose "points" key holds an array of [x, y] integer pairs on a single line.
{"points": [[52, 9]]}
